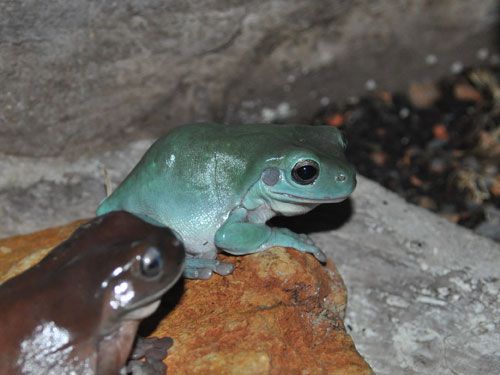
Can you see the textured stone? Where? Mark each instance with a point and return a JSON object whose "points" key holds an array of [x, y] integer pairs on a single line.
{"points": [[279, 312], [77, 75], [423, 292]]}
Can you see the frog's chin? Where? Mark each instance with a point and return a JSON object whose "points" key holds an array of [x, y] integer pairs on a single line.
{"points": [[297, 199], [143, 312]]}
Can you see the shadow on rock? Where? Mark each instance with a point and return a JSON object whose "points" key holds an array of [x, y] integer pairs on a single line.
{"points": [[323, 218], [168, 303]]}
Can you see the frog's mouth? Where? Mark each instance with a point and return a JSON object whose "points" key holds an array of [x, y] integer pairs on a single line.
{"points": [[144, 311], [298, 199], [145, 308], [149, 305]]}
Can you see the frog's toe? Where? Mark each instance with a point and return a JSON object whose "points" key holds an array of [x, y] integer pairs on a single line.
{"points": [[197, 273], [158, 347], [144, 346], [201, 268], [316, 251], [224, 268], [306, 239], [320, 255], [147, 356], [145, 367]]}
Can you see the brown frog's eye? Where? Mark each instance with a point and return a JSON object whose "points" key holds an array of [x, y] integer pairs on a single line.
{"points": [[151, 263], [305, 172]]}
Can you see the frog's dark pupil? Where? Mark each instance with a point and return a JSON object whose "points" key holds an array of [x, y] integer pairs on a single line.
{"points": [[151, 263], [305, 172]]}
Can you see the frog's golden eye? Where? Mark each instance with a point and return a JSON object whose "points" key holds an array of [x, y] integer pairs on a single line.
{"points": [[151, 262], [305, 172]]}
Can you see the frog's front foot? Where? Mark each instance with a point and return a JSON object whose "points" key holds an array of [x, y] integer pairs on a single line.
{"points": [[145, 367], [240, 238], [200, 268], [302, 242], [147, 356]]}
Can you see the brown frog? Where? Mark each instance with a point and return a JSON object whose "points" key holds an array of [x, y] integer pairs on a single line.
{"points": [[77, 311]]}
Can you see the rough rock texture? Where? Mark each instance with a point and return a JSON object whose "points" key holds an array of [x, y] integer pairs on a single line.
{"points": [[279, 312], [77, 75], [38, 193], [424, 294]]}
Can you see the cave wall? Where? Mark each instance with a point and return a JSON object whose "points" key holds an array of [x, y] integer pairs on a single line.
{"points": [[77, 76]]}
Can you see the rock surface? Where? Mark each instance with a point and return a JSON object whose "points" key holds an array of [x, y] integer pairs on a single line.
{"points": [[77, 75], [424, 294], [279, 312]]}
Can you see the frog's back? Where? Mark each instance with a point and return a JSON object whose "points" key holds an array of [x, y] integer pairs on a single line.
{"points": [[188, 180]]}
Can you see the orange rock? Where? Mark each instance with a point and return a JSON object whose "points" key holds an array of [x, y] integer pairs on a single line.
{"points": [[280, 312], [440, 132], [385, 96], [495, 186], [379, 157], [466, 92], [415, 181], [423, 94], [336, 120]]}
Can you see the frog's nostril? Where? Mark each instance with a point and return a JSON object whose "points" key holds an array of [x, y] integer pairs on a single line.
{"points": [[341, 177]]}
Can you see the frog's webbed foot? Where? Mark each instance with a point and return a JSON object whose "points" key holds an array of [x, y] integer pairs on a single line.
{"points": [[241, 238], [146, 367], [200, 268], [147, 356], [302, 242], [153, 347]]}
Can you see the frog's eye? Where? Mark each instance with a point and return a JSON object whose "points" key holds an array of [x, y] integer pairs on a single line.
{"points": [[305, 172], [151, 263]]}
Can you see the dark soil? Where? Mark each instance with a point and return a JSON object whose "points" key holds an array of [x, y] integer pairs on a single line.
{"points": [[438, 145]]}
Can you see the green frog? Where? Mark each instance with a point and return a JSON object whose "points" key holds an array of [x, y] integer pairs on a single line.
{"points": [[215, 186]]}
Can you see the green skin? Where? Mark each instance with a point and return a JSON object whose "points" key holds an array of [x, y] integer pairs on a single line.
{"points": [[216, 186]]}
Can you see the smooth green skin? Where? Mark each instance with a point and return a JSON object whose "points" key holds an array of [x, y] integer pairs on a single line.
{"points": [[210, 184]]}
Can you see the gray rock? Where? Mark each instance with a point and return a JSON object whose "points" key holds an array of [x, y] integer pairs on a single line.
{"points": [[423, 293], [77, 75], [37, 193]]}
